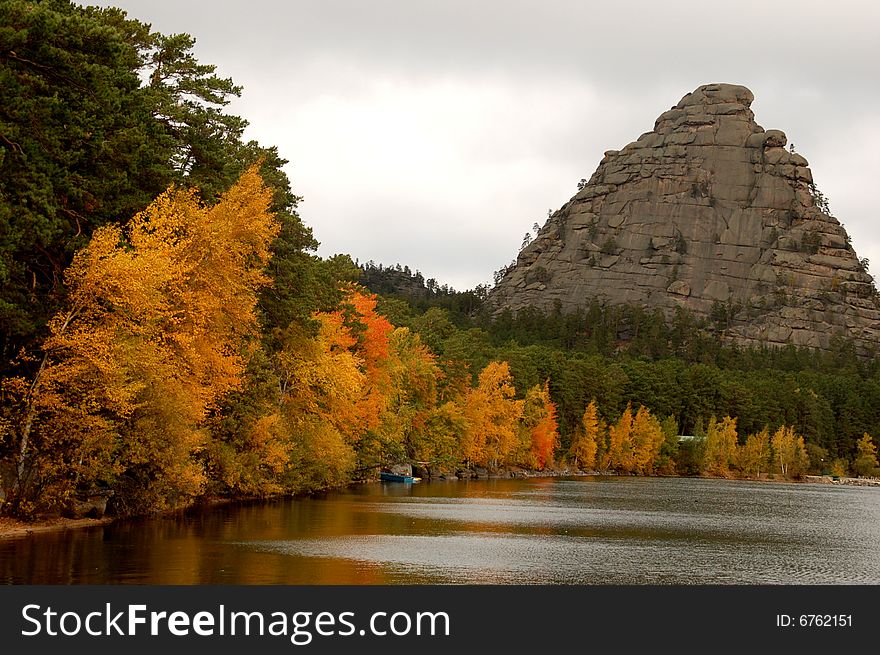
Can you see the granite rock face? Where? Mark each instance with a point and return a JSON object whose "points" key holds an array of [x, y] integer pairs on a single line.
{"points": [[710, 212]]}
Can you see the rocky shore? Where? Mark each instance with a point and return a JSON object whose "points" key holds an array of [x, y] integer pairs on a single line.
{"points": [[856, 482]]}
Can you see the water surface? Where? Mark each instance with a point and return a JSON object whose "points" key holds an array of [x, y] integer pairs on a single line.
{"points": [[585, 530]]}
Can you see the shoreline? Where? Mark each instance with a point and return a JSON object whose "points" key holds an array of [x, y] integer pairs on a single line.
{"points": [[11, 528], [15, 529]]}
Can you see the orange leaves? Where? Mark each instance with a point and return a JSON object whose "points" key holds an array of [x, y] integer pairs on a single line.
{"points": [[539, 419], [364, 335], [371, 383], [373, 332]]}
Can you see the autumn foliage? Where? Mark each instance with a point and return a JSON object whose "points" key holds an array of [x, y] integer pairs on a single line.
{"points": [[585, 444], [158, 319], [491, 414], [160, 382], [541, 428]]}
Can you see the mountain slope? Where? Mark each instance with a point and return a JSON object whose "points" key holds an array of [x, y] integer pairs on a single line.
{"points": [[708, 212]]}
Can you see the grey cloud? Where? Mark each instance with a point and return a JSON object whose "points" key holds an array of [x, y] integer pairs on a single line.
{"points": [[543, 88]]}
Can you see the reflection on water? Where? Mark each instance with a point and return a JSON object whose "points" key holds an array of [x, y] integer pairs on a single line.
{"points": [[562, 531]]}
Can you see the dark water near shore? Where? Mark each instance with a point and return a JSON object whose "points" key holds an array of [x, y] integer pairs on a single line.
{"points": [[541, 530]]}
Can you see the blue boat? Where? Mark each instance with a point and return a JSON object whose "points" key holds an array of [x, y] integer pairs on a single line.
{"points": [[394, 477]]}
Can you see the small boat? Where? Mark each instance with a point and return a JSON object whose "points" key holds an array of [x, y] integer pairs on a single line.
{"points": [[394, 477]]}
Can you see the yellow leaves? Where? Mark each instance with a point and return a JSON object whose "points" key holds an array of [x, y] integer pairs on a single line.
{"points": [[866, 448], [322, 457], [620, 444], [358, 377], [720, 446], [586, 441], [647, 438], [634, 442], [157, 315], [866, 445], [789, 452], [268, 437], [321, 376], [491, 416], [866, 463], [839, 468], [414, 370], [753, 456], [181, 278], [436, 437]]}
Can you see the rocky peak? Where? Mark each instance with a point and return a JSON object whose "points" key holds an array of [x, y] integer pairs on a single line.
{"points": [[708, 211]]}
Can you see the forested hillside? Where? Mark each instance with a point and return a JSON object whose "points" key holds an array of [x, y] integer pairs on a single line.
{"points": [[681, 369]]}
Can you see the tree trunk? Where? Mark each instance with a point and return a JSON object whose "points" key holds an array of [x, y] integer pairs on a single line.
{"points": [[26, 429], [30, 414]]}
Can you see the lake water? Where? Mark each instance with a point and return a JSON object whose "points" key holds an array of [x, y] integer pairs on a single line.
{"points": [[584, 530]]}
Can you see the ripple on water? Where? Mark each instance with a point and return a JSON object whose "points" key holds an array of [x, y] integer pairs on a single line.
{"points": [[559, 559]]}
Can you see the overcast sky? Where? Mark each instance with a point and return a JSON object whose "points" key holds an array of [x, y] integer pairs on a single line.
{"points": [[435, 133]]}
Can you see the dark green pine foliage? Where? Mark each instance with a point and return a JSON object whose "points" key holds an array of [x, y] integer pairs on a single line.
{"points": [[78, 148], [99, 115]]}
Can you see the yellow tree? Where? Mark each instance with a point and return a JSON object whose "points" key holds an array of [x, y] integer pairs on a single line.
{"points": [[324, 375], [491, 414], [412, 395], [603, 447], [789, 452], [322, 388], [720, 446], [839, 467], [754, 455], [159, 313], [647, 439], [586, 440], [866, 461], [620, 443]]}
